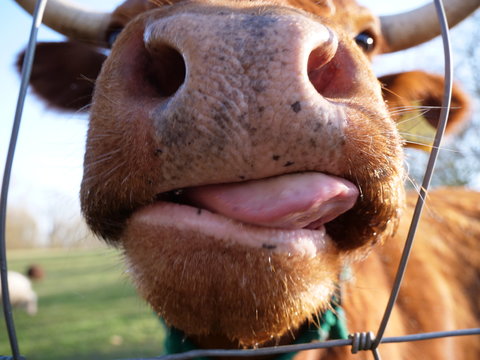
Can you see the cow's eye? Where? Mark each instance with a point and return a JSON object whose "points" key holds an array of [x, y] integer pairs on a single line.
{"points": [[365, 41], [113, 34]]}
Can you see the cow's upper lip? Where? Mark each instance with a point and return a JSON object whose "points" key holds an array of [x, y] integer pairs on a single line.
{"points": [[284, 214]]}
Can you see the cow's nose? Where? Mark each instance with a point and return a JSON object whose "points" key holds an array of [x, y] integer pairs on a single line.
{"points": [[237, 53]]}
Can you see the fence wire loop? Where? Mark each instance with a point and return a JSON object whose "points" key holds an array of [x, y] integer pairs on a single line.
{"points": [[360, 341]]}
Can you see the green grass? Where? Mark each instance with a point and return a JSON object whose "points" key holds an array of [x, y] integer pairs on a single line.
{"points": [[87, 309]]}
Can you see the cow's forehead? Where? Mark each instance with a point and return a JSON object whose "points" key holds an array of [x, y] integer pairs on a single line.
{"points": [[346, 17], [351, 15]]}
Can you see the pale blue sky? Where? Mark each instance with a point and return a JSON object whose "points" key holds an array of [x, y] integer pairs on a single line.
{"points": [[47, 169]]}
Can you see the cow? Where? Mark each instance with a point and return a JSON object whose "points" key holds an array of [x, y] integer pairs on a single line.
{"points": [[246, 160], [21, 292]]}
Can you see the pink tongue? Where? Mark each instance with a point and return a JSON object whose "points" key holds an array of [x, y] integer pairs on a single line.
{"points": [[290, 201]]}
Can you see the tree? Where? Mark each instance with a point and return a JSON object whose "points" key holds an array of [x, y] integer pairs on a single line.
{"points": [[22, 229]]}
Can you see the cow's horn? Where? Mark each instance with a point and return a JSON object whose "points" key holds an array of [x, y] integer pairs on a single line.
{"points": [[73, 20], [404, 30]]}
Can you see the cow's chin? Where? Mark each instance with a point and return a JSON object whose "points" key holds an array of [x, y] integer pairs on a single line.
{"points": [[205, 277]]}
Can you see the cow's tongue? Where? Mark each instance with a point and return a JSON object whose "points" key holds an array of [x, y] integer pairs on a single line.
{"points": [[290, 201]]}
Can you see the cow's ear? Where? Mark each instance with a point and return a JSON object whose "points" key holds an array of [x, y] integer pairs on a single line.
{"points": [[64, 73], [414, 100]]}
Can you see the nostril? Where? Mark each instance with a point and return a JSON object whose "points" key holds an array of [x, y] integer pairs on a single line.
{"points": [[320, 69], [318, 57], [165, 69]]}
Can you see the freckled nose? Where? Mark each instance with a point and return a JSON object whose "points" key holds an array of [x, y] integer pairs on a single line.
{"points": [[243, 88], [239, 55]]}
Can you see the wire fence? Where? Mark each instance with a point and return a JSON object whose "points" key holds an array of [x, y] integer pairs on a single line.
{"points": [[363, 341]]}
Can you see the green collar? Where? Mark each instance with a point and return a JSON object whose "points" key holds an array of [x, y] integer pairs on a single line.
{"points": [[332, 326]]}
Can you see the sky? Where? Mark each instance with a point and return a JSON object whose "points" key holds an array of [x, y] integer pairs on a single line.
{"points": [[48, 161]]}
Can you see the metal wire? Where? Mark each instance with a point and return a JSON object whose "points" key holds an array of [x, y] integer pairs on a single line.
{"points": [[359, 341], [309, 346], [26, 71], [446, 102]]}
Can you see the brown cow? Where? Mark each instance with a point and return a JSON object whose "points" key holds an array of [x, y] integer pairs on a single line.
{"points": [[242, 156]]}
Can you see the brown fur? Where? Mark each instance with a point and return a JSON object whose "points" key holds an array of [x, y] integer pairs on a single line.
{"points": [[228, 285], [440, 289], [150, 136]]}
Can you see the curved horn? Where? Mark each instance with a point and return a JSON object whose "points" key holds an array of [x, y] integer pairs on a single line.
{"points": [[411, 28], [73, 20]]}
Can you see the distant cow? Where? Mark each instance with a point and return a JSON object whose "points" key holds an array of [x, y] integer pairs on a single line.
{"points": [[21, 293], [246, 159]]}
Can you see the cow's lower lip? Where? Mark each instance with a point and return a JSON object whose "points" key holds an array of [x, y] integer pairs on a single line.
{"points": [[160, 218]]}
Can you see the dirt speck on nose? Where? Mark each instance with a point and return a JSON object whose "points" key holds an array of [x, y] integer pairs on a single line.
{"points": [[296, 107]]}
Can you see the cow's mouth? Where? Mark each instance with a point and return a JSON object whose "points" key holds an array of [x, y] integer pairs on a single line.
{"points": [[284, 214], [236, 258]]}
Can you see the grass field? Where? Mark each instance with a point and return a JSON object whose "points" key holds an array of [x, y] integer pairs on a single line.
{"points": [[87, 309]]}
